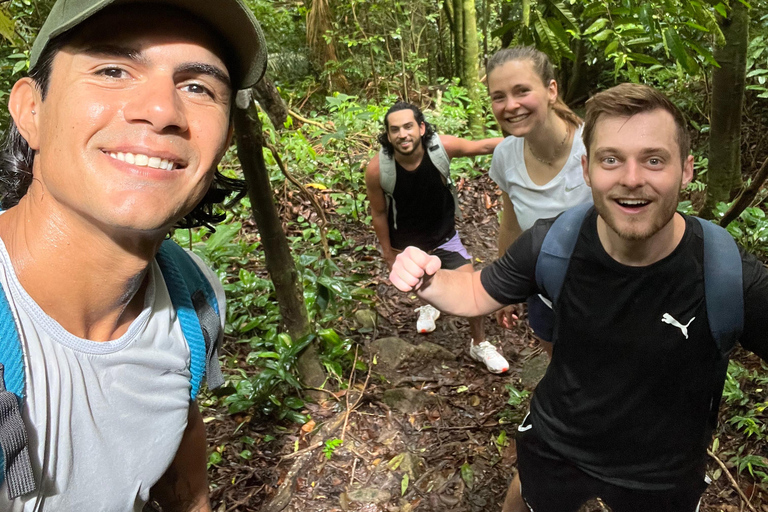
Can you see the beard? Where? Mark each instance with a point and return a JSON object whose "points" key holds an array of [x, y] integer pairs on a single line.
{"points": [[641, 227], [414, 147]]}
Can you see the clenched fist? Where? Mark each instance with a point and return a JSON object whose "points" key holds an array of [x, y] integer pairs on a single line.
{"points": [[412, 267]]}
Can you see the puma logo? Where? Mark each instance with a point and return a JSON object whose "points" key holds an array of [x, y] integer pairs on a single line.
{"points": [[667, 319]]}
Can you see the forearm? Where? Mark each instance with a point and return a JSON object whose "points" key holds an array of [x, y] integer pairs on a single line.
{"points": [[490, 144], [507, 235], [184, 486], [458, 293], [381, 228]]}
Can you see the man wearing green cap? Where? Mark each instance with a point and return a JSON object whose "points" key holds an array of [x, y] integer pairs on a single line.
{"points": [[116, 137]]}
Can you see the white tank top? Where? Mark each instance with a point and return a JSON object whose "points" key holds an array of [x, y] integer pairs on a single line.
{"points": [[533, 202], [104, 418]]}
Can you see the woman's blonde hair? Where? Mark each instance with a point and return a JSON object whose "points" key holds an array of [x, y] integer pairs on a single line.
{"points": [[542, 67]]}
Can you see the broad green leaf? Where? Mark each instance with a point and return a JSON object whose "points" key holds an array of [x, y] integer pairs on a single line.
{"points": [[696, 26], [7, 26], [611, 47], [646, 16], [561, 37], [703, 53], [404, 484], [721, 10], [678, 51], [548, 38], [468, 475], [596, 9], [597, 25], [19, 66], [603, 35], [643, 59], [566, 15], [640, 40]]}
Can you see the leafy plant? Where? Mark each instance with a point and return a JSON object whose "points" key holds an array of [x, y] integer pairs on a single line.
{"points": [[330, 447]]}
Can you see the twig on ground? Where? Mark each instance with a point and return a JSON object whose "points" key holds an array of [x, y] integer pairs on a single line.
{"points": [[346, 397], [302, 451], [733, 481], [352, 474], [359, 398]]}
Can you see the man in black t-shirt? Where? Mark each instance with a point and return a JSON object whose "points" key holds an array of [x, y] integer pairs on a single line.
{"points": [[624, 410], [412, 204]]}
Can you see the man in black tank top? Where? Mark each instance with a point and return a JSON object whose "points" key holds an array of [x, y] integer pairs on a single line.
{"points": [[419, 208]]}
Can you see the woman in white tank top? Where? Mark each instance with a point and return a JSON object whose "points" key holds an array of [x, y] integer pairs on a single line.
{"points": [[538, 166]]}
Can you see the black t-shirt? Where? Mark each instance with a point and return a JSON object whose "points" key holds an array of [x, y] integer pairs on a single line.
{"points": [[627, 397], [425, 208]]}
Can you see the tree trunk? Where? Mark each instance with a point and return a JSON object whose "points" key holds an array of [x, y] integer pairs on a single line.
{"points": [[266, 94], [458, 37], [576, 86], [728, 83], [280, 265], [471, 60], [504, 17]]}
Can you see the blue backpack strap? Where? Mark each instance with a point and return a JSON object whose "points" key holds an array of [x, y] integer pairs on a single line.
{"points": [[723, 286], [14, 442], [556, 250], [198, 312]]}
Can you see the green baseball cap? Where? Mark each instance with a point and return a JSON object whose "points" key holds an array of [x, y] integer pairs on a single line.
{"points": [[231, 19]]}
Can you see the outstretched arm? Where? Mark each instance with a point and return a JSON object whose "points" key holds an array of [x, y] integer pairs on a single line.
{"points": [[456, 147], [379, 210], [453, 292], [184, 486], [509, 229]]}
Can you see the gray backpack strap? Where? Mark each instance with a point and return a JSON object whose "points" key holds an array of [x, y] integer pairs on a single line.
{"points": [[13, 440], [387, 179], [442, 161], [556, 251], [723, 286]]}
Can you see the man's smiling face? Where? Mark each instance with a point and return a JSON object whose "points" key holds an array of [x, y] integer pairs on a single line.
{"points": [[404, 132], [136, 117], [636, 173]]}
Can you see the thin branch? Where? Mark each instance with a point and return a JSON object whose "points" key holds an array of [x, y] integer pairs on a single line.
{"points": [[307, 121], [303, 451], [322, 222], [746, 196], [734, 484]]}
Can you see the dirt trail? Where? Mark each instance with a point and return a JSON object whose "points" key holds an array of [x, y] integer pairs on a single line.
{"points": [[429, 430]]}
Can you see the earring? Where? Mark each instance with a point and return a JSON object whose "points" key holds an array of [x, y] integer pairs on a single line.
{"points": [[33, 112]]}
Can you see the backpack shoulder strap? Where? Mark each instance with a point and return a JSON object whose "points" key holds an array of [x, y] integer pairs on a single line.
{"points": [[442, 161], [14, 442], [439, 157], [387, 179], [723, 286], [198, 312], [387, 173], [556, 250]]}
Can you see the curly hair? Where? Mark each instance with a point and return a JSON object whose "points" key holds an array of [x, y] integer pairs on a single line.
{"points": [[387, 146], [17, 158]]}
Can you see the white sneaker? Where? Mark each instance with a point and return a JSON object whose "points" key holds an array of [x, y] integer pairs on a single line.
{"points": [[486, 353], [427, 317]]}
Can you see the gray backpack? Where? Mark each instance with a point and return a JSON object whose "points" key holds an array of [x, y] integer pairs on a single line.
{"points": [[439, 157]]}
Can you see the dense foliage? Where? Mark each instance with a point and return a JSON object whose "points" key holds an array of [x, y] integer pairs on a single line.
{"points": [[341, 63]]}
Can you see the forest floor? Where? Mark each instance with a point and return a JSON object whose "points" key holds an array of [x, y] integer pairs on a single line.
{"points": [[427, 429]]}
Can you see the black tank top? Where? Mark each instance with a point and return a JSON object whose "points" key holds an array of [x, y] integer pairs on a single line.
{"points": [[425, 208]]}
